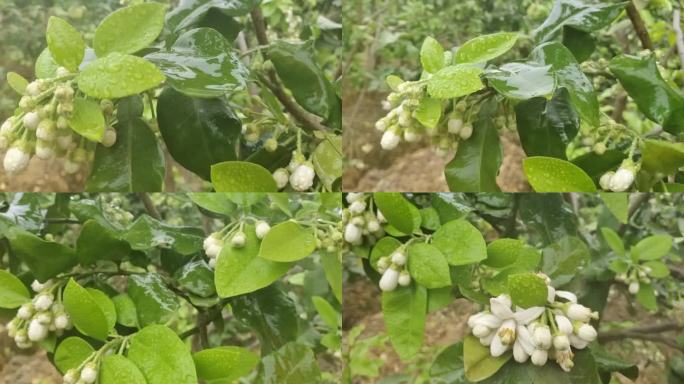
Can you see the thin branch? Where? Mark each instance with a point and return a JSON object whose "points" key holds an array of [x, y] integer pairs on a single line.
{"points": [[60, 220], [676, 24], [308, 121], [149, 205], [639, 26], [645, 332], [634, 205]]}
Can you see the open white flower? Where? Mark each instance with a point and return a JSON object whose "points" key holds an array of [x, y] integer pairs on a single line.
{"points": [[505, 337]]}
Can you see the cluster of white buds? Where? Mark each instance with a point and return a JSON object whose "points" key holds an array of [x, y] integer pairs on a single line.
{"points": [[621, 180], [35, 320], [235, 237], [299, 174], [86, 375], [116, 214], [40, 127], [401, 122], [636, 275], [536, 333], [360, 222], [394, 271]]}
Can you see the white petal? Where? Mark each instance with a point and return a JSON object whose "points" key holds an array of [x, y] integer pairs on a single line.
{"points": [[526, 316], [497, 348], [525, 339], [490, 321], [577, 342], [551, 295], [519, 353], [569, 296], [487, 341], [501, 307], [564, 324]]}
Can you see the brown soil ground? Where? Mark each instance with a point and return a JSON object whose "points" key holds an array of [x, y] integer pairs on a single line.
{"points": [[25, 367], [448, 325], [411, 167]]}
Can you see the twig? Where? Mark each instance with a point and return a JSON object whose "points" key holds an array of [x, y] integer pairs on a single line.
{"points": [[149, 205], [636, 202], [308, 121], [61, 220], [639, 26], [645, 332], [676, 24]]}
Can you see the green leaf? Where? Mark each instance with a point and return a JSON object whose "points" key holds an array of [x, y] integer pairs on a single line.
{"points": [[428, 266], [213, 202], [224, 363], [460, 242], [65, 43], [240, 176], [271, 313], [569, 75], [429, 112], [477, 162], [655, 97], [396, 209], [297, 68], [617, 204], [613, 240], [161, 356], [527, 290], [404, 311], [17, 82], [383, 248], [455, 81], [129, 29], [394, 82], [547, 174], [596, 165], [201, 63], [326, 311], [548, 215], [581, 15], [96, 242], [71, 353], [506, 252], [147, 233], [136, 162], [582, 44], [432, 55], [564, 258], [106, 305], [328, 161], [332, 267], [479, 364], [522, 81], [87, 119], [240, 270], [662, 157], [190, 13], [608, 364], [647, 297], [198, 132], [486, 47], [659, 269], [45, 67], [84, 311], [584, 372], [448, 366], [45, 259], [546, 128], [13, 293], [287, 241], [126, 314], [116, 369], [197, 278], [652, 247], [116, 76], [292, 364], [154, 302]]}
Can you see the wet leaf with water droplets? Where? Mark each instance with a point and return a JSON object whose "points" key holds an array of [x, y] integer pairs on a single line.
{"points": [[87, 119], [161, 356], [548, 174], [65, 43], [84, 311], [154, 302], [486, 47], [455, 81], [240, 176], [116, 76], [129, 29]]}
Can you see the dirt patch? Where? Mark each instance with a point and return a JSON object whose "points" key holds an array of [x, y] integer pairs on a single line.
{"points": [[25, 366]]}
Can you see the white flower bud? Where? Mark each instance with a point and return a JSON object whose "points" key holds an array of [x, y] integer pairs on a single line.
{"points": [[390, 140], [373, 226], [399, 258], [37, 286], [6, 127], [16, 160], [65, 142], [357, 206], [381, 125], [70, 377], [33, 89], [44, 150], [622, 180], [466, 131], [238, 240], [37, 331], [579, 312], [89, 373], [634, 287], [303, 177], [481, 331], [212, 263], [71, 167], [281, 177], [605, 179], [539, 357], [109, 137], [354, 196], [454, 126], [352, 233], [411, 136], [542, 336], [561, 342], [62, 321], [262, 228], [404, 279], [31, 120], [587, 333], [271, 145], [25, 312], [43, 302], [389, 280], [62, 72], [43, 318], [564, 324]]}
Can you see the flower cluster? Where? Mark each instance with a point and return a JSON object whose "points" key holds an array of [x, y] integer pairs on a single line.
{"points": [[299, 174], [234, 235], [87, 374], [41, 126], [635, 276], [394, 272], [536, 333], [35, 320], [360, 222], [621, 180], [402, 121]]}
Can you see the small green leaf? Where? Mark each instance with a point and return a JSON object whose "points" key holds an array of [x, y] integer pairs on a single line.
{"points": [[432, 55], [213, 202], [394, 82], [613, 240], [126, 314], [45, 67], [155, 303], [13, 293], [17, 82], [396, 209], [328, 161], [326, 311], [225, 364], [147, 233], [428, 266], [116, 76], [658, 269], [522, 81], [117, 369], [478, 362], [647, 297], [240, 176], [71, 352], [527, 290], [87, 119], [161, 356], [287, 241], [404, 311], [460, 242], [197, 278], [84, 311], [447, 368], [562, 259], [65, 43], [486, 47], [617, 204], [662, 156], [652, 247], [547, 174], [429, 112], [455, 81], [45, 259], [129, 29]]}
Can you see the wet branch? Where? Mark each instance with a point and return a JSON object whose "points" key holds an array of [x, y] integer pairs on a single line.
{"points": [[639, 26]]}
